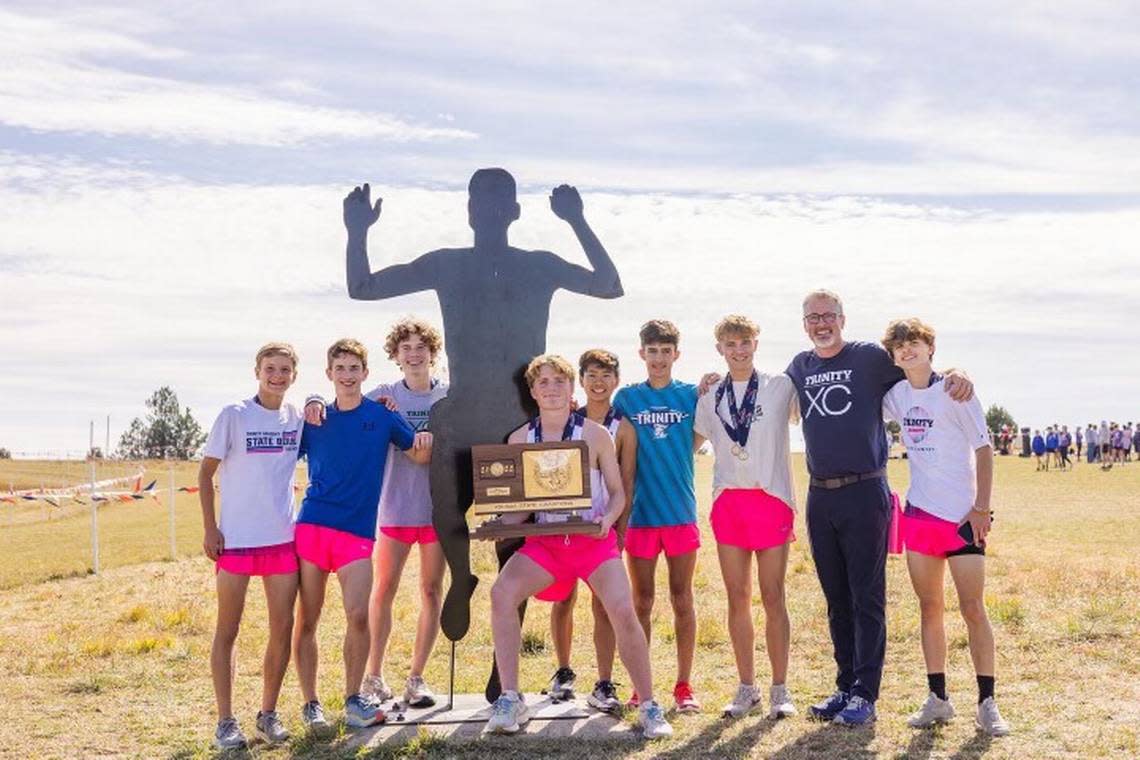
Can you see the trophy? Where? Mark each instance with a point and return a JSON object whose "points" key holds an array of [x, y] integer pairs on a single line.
{"points": [[551, 478]]}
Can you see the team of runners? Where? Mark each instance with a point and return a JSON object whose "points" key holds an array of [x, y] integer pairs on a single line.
{"points": [[368, 503]]}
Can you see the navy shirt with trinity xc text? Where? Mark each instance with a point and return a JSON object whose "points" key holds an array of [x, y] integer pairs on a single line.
{"points": [[346, 466], [841, 403]]}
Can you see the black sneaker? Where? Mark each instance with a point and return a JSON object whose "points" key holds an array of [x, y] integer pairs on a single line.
{"points": [[604, 697], [561, 686]]}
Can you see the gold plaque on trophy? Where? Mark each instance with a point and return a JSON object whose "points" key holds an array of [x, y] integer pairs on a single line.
{"points": [[552, 476]]}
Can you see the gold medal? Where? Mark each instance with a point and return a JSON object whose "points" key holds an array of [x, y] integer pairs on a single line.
{"points": [[739, 452]]}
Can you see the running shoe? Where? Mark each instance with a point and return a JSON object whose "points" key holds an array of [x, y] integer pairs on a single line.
{"points": [[933, 710], [228, 735], [684, 699], [377, 687], [362, 710], [780, 702], [858, 712], [651, 718], [830, 707], [270, 729], [313, 715], [747, 700], [604, 697], [561, 686], [417, 693], [509, 714], [990, 720]]}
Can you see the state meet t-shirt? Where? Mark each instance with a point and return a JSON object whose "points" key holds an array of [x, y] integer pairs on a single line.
{"points": [[768, 465], [940, 435], [346, 457], [841, 408], [663, 419], [405, 499], [258, 452]]}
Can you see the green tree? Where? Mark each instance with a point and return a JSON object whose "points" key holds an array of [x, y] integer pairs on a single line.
{"points": [[996, 416], [167, 432]]}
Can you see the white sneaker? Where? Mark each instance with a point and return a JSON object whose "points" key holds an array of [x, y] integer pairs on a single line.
{"points": [[509, 714], [780, 702], [747, 700], [933, 710], [990, 720], [417, 693], [228, 735], [376, 686], [313, 715], [651, 718], [270, 729]]}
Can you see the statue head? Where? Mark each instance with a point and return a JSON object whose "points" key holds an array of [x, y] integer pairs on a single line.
{"points": [[491, 200]]}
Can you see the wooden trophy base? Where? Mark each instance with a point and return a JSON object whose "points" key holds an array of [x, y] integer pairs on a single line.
{"points": [[497, 530]]}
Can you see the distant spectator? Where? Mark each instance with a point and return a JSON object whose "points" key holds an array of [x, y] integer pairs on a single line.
{"points": [[1064, 443], [1052, 441], [1039, 451], [1080, 439], [1093, 448]]}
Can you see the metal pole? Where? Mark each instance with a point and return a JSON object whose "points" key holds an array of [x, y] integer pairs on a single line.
{"points": [[173, 545], [451, 681], [94, 507]]}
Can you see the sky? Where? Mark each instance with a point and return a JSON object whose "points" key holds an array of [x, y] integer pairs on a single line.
{"points": [[171, 178]]}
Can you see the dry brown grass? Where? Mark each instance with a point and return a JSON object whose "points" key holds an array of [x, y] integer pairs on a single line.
{"points": [[116, 665]]}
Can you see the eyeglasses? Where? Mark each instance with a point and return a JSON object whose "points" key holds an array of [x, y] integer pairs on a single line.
{"points": [[827, 318]]}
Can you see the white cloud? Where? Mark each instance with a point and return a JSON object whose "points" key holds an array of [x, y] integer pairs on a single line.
{"points": [[51, 80]]}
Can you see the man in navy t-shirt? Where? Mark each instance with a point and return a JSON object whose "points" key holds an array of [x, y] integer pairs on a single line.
{"points": [[336, 528], [841, 387]]}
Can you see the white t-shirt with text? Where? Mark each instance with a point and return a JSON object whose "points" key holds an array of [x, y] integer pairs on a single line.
{"points": [[940, 436], [258, 452]]}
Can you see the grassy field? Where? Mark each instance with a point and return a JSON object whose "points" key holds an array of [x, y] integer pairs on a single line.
{"points": [[115, 665]]}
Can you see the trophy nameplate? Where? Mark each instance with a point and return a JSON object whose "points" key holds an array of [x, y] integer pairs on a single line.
{"points": [[552, 476]]}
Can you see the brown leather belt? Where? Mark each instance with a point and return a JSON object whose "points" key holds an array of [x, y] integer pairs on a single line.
{"points": [[832, 483]]}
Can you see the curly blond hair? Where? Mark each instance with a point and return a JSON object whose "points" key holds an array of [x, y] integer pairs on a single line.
{"points": [[409, 326]]}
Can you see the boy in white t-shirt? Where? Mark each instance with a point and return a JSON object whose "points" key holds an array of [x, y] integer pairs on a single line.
{"points": [[951, 476], [254, 443], [745, 418], [405, 509]]}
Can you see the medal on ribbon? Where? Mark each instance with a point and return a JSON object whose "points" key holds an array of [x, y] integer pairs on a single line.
{"points": [[740, 419]]}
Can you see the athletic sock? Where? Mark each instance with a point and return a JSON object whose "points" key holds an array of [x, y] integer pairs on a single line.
{"points": [[937, 684], [985, 688]]}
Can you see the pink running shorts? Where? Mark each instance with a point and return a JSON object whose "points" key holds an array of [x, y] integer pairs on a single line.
{"points": [[647, 542], [279, 559], [414, 534], [752, 519], [330, 549], [933, 536], [568, 559]]}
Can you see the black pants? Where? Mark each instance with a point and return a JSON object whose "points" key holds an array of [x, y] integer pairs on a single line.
{"points": [[848, 531]]}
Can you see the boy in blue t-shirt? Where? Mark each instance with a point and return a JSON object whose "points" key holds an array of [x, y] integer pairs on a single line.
{"points": [[663, 517], [336, 528]]}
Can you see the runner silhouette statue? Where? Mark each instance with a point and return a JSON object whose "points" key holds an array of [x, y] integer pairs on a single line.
{"points": [[495, 301]]}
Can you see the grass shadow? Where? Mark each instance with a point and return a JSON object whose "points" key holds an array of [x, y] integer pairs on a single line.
{"points": [[848, 742], [922, 743], [706, 744], [974, 748]]}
